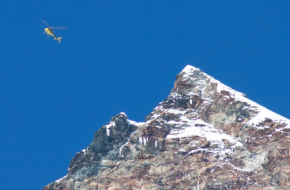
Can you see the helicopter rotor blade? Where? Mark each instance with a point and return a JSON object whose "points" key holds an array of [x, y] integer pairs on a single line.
{"points": [[46, 23], [59, 27]]}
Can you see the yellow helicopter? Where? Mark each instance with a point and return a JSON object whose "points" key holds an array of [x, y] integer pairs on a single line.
{"points": [[49, 31]]}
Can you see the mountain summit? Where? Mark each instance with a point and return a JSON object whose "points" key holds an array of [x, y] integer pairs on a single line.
{"points": [[204, 135]]}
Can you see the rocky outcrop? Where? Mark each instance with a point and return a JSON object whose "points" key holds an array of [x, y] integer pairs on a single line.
{"points": [[204, 135]]}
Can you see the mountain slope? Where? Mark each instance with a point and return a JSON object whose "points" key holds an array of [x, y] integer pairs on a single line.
{"points": [[204, 135]]}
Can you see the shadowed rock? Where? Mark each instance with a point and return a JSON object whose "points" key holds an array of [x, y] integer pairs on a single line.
{"points": [[204, 135]]}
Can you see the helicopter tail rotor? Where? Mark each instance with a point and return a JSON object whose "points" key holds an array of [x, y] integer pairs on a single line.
{"points": [[58, 39]]}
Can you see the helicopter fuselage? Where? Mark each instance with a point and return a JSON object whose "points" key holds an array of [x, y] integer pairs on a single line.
{"points": [[49, 32]]}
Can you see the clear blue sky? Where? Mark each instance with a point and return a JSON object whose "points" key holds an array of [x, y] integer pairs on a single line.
{"points": [[122, 56]]}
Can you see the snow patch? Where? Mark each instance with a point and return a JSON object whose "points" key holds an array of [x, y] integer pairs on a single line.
{"points": [[175, 111], [200, 128], [57, 181], [108, 131], [111, 124], [131, 122], [144, 141], [263, 112], [122, 113], [121, 149], [188, 69]]}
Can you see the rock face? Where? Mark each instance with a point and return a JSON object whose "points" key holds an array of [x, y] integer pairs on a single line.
{"points": [[204, 135]]}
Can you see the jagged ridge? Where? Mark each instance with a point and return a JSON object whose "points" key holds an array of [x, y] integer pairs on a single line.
{"points": [[204, 135]]}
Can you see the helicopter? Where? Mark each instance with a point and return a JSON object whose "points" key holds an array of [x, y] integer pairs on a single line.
{"points": [[49, 31]]}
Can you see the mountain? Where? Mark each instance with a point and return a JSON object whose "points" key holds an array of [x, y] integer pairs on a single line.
{"points": [[204, 135]]}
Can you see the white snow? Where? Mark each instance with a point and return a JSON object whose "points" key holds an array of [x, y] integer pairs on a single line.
{"points": [[144, 141], [200, 128], [121, 149], [108, 126], [108, 131], [122, 113], [189, 69], [57, 181], [111, 124], [216, 151], [175, 111], [156, 143], [131, 122], [182, 150], [263, 112]]}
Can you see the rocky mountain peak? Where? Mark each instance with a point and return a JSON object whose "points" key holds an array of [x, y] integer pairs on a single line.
{"points": [[204, 135]]}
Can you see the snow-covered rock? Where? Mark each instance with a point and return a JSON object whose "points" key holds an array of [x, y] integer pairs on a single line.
{"points": [[204, 135]]}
